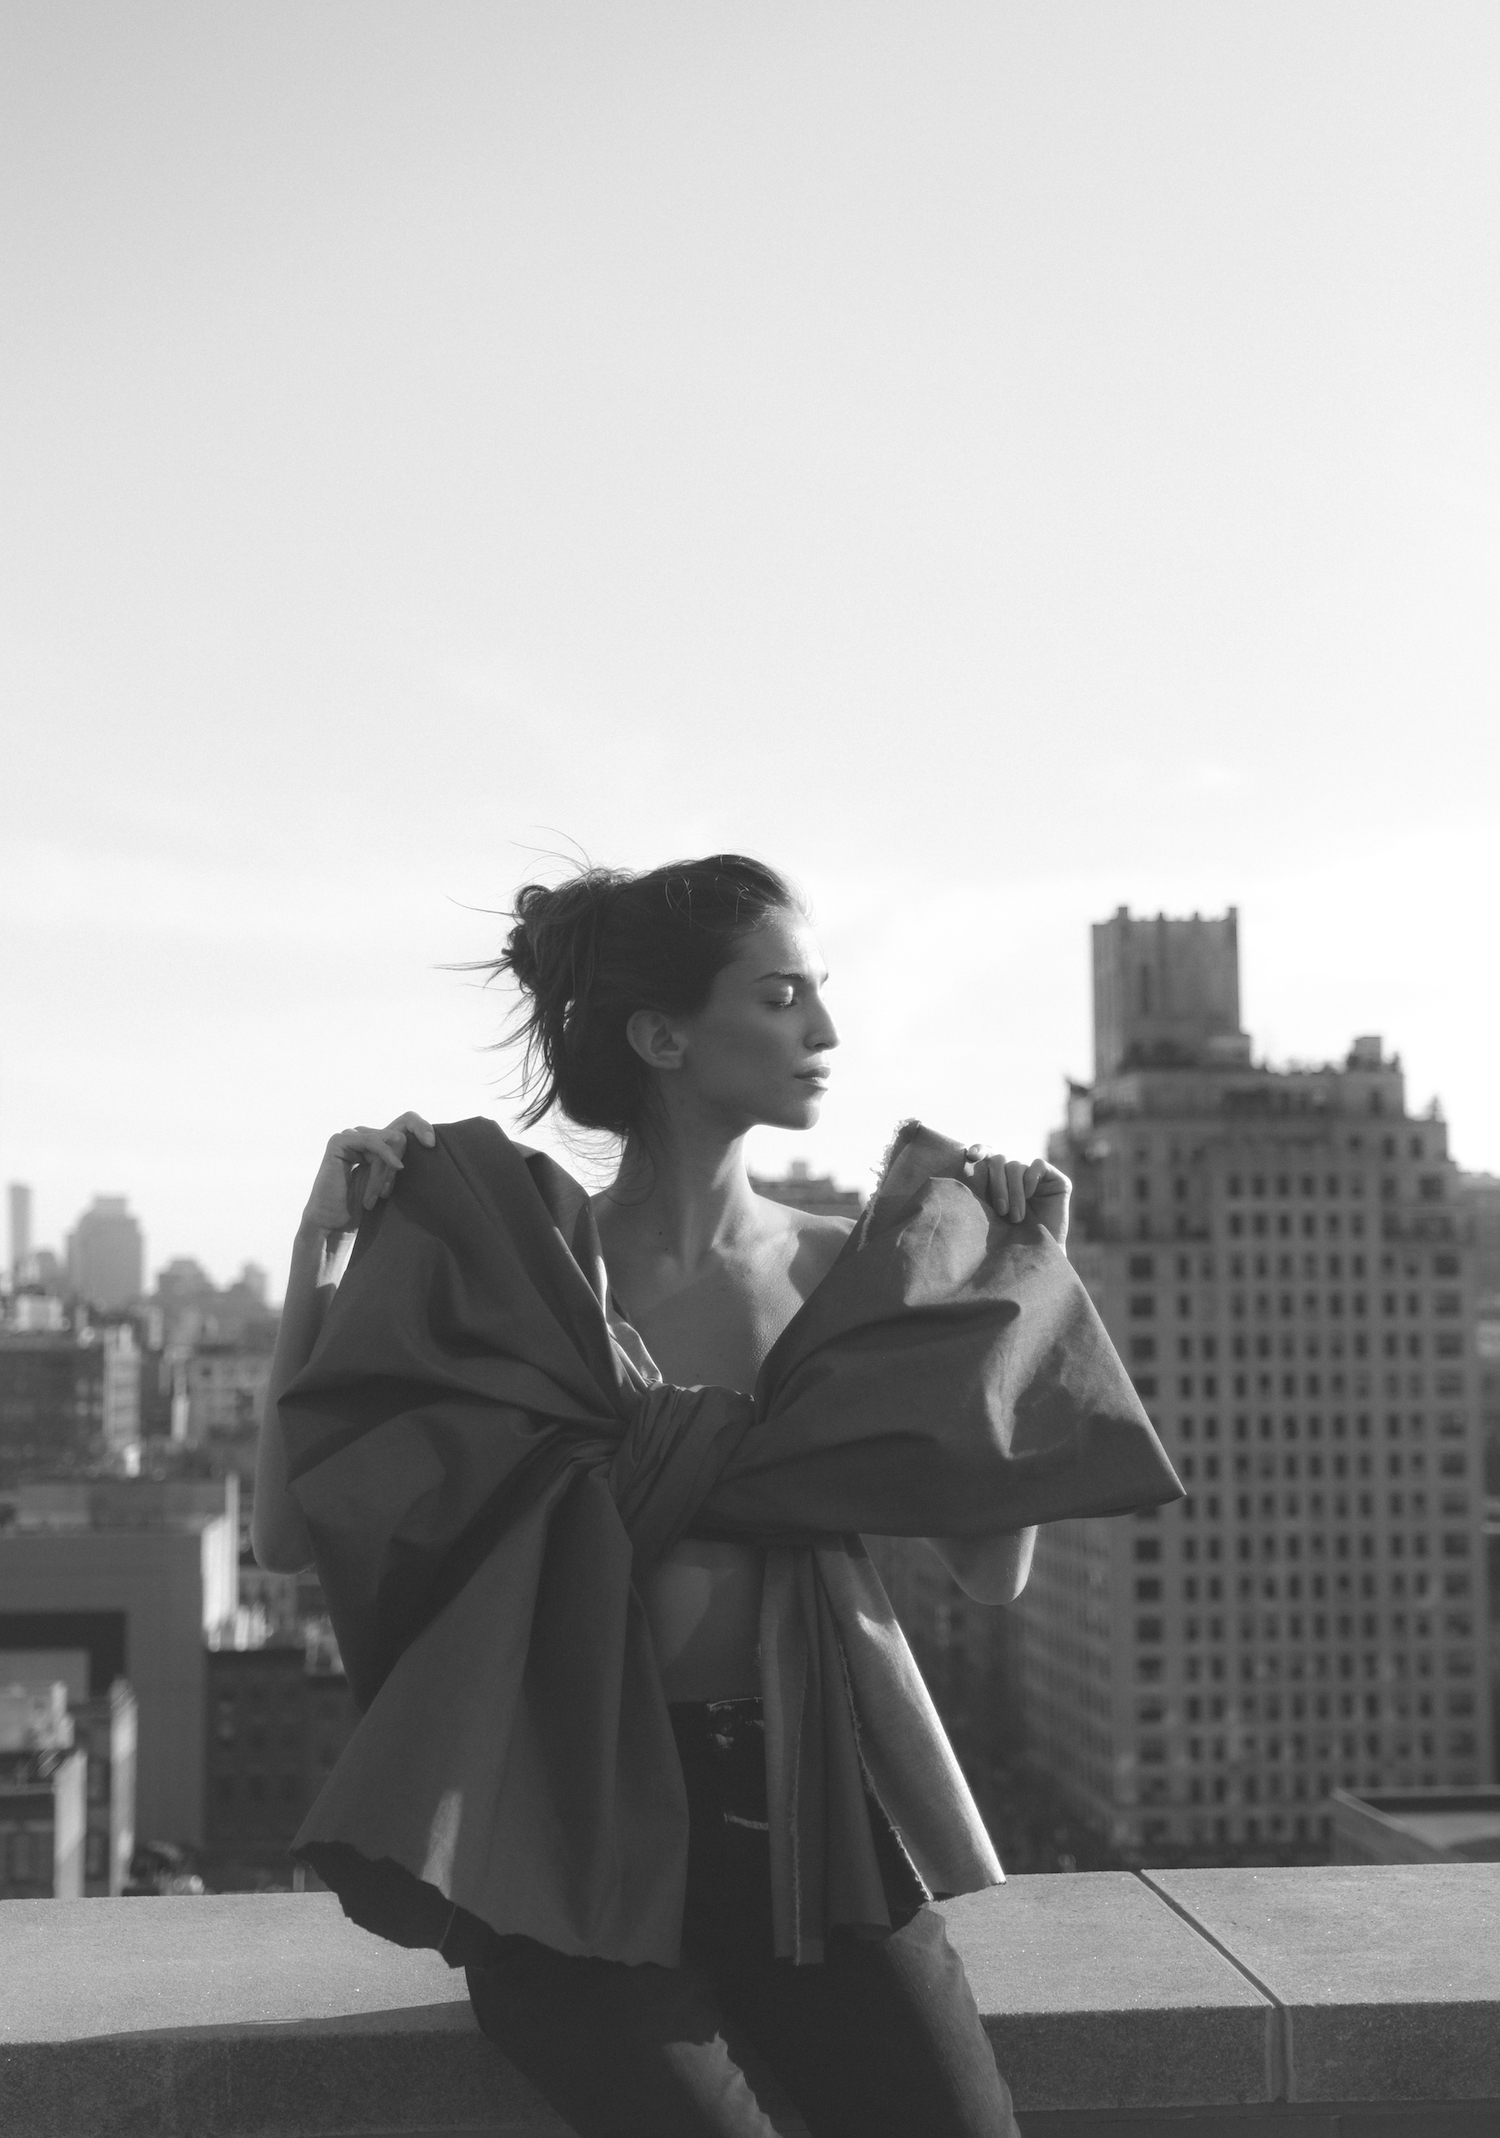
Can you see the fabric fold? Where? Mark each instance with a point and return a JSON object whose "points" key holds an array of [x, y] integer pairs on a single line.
{"points": [[485, 1468]]}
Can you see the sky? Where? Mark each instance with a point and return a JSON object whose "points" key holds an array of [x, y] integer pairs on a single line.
{"points": [[998, 463]]}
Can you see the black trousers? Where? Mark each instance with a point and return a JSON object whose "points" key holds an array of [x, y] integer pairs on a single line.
{"points": [[882, 2040]]}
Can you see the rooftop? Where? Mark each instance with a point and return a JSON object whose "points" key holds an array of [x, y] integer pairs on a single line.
{"points": [[1418, 1825], [1350, 2001]]}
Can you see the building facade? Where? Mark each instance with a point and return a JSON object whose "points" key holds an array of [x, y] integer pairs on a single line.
{"points": [[1278, 1256], [1479, 1200], [42, 1796], [134, 1580], [105, 1731], [802, 1189], [107, 1256], [277, 1722], [52, 1392], [102, 1729], [225, 1385]]}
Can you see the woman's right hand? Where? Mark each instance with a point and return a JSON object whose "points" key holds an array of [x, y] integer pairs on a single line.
{"points": [[359, 1169]]}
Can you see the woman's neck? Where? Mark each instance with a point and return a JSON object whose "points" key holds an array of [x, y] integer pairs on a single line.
{"points": [[682, 1193]]}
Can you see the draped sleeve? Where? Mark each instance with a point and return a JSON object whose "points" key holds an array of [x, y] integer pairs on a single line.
{"points": [[485, 1467]]}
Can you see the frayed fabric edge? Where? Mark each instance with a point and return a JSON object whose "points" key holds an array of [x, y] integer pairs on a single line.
{"points": [[904, 1132]]}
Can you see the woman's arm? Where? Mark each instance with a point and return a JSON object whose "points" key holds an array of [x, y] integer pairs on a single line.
{"points": [[992, 1570], [359, 1168]]}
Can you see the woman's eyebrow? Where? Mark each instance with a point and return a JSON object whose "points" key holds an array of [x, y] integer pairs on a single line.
{"points": [[822, 982]]}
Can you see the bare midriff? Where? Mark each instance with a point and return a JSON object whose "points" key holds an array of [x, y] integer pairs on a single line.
{"points": [[702, 1604]]}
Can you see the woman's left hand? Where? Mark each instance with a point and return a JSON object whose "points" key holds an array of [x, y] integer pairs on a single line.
{"points": [[1014, 1190]]}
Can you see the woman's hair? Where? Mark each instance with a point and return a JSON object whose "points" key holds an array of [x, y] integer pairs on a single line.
{"points": [[589, 952]]}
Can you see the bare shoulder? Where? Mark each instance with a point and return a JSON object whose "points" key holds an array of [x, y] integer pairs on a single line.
{"points": [[814, 1240]]}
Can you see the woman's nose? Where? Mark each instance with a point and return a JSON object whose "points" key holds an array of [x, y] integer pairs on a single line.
{"points": [[823, 1034]]}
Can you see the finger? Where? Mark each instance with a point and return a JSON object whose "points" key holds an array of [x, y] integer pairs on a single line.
{"points": [[1015, 1184], [396, 1132], [422, 1130], [1033, 1175], [995, 1189], [354, 1193], [352, 1145]]}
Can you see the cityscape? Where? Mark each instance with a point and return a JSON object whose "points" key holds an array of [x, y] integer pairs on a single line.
{"points": [[1295, 1664], [505, 503]]}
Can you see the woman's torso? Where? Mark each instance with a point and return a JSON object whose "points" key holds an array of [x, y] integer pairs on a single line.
{"points": [[702, 1598]]}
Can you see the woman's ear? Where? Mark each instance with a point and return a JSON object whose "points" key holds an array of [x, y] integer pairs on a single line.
{"points": [[656, 1039]]}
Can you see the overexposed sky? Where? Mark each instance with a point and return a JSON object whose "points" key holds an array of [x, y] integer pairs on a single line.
{"points": [[996, 462]]}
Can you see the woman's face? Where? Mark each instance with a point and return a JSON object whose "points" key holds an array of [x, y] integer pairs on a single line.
{"points": [[758, 1049]]}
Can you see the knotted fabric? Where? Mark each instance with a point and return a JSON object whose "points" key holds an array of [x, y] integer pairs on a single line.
{"points": [[487, 1461]]}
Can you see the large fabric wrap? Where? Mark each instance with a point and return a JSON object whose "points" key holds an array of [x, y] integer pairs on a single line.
{"points": [[487, 1460]]}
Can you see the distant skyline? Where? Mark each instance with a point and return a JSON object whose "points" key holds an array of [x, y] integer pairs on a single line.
{"points": [[997, 462], [772, 1152]]}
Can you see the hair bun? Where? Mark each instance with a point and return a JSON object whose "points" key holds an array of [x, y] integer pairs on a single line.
{"points": [[521, 957], [552, 943]]}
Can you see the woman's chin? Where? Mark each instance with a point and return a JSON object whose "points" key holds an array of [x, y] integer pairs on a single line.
{"points": [[797, 1108], [804, 1109]]}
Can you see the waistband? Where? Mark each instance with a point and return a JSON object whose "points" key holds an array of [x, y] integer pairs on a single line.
{"points": [[741, 1704], [722, 1747]]}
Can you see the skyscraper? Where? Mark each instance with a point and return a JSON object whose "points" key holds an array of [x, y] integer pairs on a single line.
{"points": [[106, 1255], [19, 1198], [1277, 1255]]}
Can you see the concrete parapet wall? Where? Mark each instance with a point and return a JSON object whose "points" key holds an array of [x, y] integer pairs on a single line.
{"points": [[1353, 2001]]}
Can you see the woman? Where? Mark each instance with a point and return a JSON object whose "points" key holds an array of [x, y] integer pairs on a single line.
{"points": [[642, 1745]]}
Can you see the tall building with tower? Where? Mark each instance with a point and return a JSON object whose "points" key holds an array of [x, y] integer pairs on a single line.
{"points": [[1281, 1259], [107, 1256]]}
